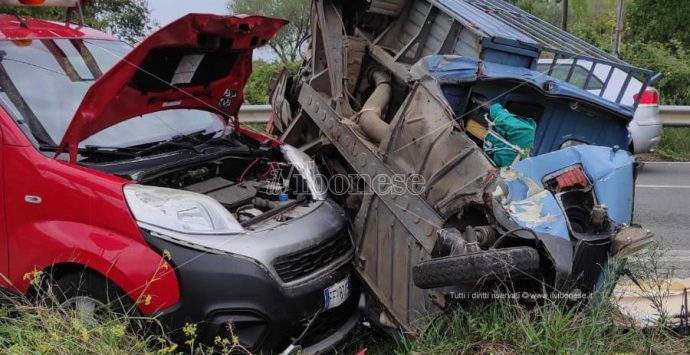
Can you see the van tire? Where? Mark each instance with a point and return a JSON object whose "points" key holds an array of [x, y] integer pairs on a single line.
{"points": [[88, 286], [489, 265]]}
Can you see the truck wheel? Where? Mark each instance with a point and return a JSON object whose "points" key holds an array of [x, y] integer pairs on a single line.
{"points": [[92, 296], [489, 265]]}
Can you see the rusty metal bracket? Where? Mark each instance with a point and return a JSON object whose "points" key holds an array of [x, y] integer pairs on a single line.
{"points": [[684, 311]]}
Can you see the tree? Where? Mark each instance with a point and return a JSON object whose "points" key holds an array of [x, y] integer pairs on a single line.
{"points": [[659, 21], [658, 39], [285, 44], [256, 89], [128, 20], [670, 59]]}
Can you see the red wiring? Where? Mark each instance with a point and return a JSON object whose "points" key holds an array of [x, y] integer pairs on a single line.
{"points": [[246, 170], [271, 168]]}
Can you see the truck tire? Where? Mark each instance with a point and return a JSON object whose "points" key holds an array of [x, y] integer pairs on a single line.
{"points": [[489, 265]]}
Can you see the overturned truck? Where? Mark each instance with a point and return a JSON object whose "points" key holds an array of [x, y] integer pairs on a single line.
{"points": [[407, 94]]}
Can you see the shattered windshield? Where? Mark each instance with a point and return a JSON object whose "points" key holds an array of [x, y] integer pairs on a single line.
{"points": [[42, 83]]}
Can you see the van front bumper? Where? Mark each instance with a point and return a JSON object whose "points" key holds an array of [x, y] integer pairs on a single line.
{"points": [[227, 295]]}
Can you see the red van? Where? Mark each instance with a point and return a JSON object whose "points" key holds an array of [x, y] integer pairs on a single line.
{"points": [[125, 176]]}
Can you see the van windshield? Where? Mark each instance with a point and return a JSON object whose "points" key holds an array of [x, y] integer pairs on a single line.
{"points": [[42, 83]]}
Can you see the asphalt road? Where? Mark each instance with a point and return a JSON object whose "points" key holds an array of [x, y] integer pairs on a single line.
{"points": [[662, 205]]}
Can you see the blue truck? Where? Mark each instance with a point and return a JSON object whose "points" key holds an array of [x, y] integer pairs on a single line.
{"points": [[423, 95]]}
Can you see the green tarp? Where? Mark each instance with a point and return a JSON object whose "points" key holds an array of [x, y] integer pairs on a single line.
{"points": [[509, 137]]}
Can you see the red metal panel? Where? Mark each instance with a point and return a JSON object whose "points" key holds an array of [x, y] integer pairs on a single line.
{"points": [[62, 213]]}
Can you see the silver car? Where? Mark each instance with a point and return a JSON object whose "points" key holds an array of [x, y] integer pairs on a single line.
{"points": [[645, 127]]}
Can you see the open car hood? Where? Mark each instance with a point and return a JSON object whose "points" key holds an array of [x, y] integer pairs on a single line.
{"points": [[199, 61]]}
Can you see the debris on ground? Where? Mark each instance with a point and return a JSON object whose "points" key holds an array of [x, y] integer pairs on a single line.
{"points": [[662, 302]]}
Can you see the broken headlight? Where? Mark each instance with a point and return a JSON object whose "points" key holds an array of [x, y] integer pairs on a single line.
{"points": [[307, 168], [179, 211]]}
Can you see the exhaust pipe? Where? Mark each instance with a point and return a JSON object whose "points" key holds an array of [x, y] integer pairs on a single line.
{"points": [[371, 116]]}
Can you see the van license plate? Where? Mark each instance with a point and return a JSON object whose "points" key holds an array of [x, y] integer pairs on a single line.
{"points": [[337, 294]]}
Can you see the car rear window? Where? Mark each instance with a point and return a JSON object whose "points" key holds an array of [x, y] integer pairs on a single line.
{"points": [[578, 77]]}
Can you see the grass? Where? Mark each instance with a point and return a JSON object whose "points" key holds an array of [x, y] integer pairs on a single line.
{"points": [[675, 144], [499, 327], [505, 328], [30, 329], [27, 329], [41, 325]]}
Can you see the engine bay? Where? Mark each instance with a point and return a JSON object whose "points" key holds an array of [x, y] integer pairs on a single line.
{"points": [[246, 200], [251, 188]]}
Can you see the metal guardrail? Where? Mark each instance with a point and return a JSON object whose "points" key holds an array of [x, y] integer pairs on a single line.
{"points": [[675, 116], [672, 116], [255, 113]]}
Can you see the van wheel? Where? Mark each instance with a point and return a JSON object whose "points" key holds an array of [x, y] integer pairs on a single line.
{"points": [[489, 265], [92, 296]]}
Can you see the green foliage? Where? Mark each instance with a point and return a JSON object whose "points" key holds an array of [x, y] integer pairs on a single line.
{"points": [[43, 324], [675, 144], [48, 13], [126, 19], [30, 329], [657, 38], [40, 330], [659, 21], [255, 92], [672, 60], [285, 44]]}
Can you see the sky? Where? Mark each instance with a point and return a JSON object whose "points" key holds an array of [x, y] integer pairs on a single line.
{"points": [[164, 11]]}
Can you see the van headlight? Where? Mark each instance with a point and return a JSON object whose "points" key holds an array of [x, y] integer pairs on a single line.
{"points": [[179, 210]]}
